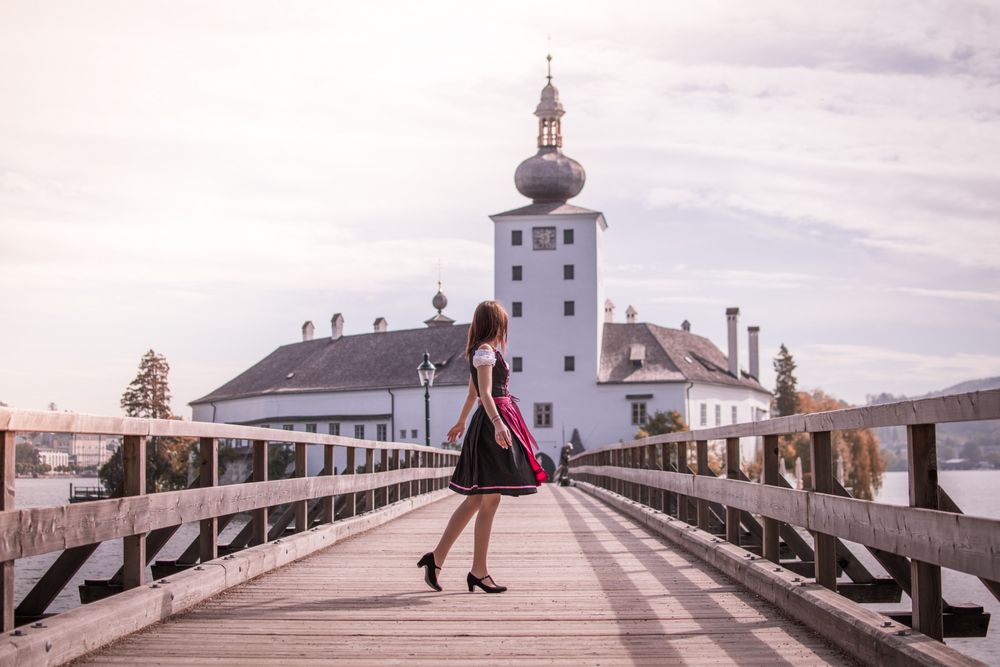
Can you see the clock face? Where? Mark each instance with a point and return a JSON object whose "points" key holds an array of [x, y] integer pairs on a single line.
{"points": [[543, 238]]}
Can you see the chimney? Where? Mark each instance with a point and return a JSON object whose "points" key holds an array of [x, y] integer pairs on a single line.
{"points": [[732, 319], [307, 330], [337, 325], [630, 314], [685, 326], [609, 310], [753, 352], [381, 325]]}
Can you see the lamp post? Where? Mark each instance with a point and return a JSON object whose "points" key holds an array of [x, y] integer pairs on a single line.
{"points": [[425, 371]]}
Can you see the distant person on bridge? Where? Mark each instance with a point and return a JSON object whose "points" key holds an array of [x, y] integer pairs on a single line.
{"points": [[496, 458]]}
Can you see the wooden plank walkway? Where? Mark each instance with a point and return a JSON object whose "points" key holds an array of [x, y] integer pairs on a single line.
{"points": [[587, 587]]}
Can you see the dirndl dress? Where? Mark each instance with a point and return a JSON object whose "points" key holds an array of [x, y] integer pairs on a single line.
{"points": [[484, 466]]}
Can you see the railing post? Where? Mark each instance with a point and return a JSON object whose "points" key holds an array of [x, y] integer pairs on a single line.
{"points": [[701, 447], [733, 472], [822, 482], [665, 465], [134, 484], [384, 464], [350, 507], [655, 494], [327, 503], [396, 488], [301, 506], [369, 468], [259, 475], [7, 470], [208, 453], [410, 463], [682, 467], [926, 578], [770, 476]]}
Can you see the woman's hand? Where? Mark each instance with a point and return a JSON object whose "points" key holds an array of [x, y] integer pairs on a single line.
{"points": [[456, 432], [502, 434]]}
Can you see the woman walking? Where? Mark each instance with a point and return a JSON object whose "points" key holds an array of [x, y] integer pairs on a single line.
{"points": [[497, 457]]}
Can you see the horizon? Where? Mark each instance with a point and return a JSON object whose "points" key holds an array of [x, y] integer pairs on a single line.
{"points": [[203, 187]]}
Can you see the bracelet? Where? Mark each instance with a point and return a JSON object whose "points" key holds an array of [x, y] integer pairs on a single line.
{"points": [[495, 419]]}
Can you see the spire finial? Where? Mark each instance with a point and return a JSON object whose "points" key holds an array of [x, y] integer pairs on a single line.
{"points": [[549, 76]]}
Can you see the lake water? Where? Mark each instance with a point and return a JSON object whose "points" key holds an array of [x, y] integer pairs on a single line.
{"points": [[975, 491]]}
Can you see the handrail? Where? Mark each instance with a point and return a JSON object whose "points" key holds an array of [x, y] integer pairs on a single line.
{"points": [[44, 421], [406, 470], [971, 406], [931, 532]]}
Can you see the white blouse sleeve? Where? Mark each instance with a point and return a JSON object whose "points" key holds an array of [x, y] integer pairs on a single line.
{"points": [[483, 358]]}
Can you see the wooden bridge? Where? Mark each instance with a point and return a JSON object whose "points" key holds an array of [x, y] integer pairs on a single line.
{"points": [[648, 558]]}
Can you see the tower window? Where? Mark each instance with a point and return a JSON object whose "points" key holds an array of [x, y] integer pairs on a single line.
{"points": [[569, 308], [543, 415], [515, 309], [516, 364], [569, 363], [567, 237], [568, 272], [359, 431], [516, 237], [515, 272], [638, 413]]}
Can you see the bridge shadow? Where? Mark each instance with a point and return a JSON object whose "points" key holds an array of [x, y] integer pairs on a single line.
{"points": [[616, 580], [399, 600]]}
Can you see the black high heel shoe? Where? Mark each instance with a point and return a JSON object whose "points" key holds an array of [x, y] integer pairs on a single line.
{"points": [[473, 582], [430, 570]]}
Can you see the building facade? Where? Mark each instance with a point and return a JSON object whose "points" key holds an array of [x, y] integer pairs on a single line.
{"points": [[574, 367]]}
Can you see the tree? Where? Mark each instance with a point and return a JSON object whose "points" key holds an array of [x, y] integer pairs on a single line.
{"points": [[661, 422], [864, 463], [148, 395], [786, 401]]}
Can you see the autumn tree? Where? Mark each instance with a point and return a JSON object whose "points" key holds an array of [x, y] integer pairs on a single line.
{"points": [[786, 401], [859, 448], [148, 396], [661, 422]]}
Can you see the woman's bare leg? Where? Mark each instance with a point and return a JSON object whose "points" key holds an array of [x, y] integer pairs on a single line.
{"points": [[456, 524], [484, 526]]}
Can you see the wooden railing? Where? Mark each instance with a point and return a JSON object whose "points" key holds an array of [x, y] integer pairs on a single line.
{"points": [[145, 522], [912, 543]]}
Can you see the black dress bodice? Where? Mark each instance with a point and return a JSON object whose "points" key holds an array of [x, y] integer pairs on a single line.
{"points": [[501, 377]]}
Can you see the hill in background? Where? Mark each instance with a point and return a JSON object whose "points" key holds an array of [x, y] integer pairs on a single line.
{"points": [[963, 445]]}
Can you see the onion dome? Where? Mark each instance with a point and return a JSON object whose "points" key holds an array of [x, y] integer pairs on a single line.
{"points": [[549, 175], [440, 301]]}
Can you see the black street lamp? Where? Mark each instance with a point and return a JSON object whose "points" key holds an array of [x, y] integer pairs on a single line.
{"points": [[426, 373]]}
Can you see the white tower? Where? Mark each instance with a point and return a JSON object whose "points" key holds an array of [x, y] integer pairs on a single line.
{"points": [[548, 274]]}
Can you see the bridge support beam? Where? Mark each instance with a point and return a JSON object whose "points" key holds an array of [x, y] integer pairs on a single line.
{"points": [[925, 578], [701, 447], [208, 452], [134, 475], [259, 475], [771, 474], [7, 467], [822, 482], [733, 472]]}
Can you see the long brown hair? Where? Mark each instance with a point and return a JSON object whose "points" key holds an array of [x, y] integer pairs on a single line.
{"points": [[489, 323]]}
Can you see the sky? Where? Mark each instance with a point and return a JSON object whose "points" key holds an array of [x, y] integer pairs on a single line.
{"points": [[201, 178]]}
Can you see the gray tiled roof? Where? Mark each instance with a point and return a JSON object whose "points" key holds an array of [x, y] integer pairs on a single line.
{"points": [[671, 355], [363, 361], [550, 208]]}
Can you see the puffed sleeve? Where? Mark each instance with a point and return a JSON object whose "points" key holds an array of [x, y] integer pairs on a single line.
{"points": [[483, 358]]}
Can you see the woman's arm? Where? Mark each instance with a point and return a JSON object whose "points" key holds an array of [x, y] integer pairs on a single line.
{"points": [[470, 399]]}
